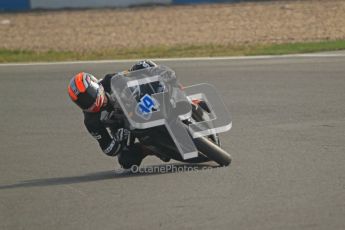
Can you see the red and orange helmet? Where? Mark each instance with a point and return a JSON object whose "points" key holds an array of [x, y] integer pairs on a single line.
{"points": [[86, 92]]}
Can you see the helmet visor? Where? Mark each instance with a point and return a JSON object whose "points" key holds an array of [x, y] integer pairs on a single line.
{"points": [[98, 101], [85, 100]]}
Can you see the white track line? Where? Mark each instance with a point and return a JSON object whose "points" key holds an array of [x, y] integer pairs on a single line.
{"points": [[315, 55]]}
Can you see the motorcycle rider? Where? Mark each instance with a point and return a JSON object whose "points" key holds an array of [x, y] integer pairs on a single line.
{"points": [[93, 97]]}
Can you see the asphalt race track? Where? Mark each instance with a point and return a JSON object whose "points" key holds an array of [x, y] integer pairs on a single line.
{"points": [[287, 144]]}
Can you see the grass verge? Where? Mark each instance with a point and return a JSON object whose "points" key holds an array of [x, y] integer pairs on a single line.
{"points": [[175, 51]]}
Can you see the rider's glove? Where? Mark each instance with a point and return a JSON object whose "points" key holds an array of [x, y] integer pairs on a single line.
{"points": [[122, 135], [119, 141]]}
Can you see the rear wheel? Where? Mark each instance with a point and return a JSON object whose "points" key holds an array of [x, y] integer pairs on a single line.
{"points": [[210, 145], [212, 151]]}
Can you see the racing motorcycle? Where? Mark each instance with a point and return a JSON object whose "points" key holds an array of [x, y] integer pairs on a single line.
{"points": [[129, 88]]}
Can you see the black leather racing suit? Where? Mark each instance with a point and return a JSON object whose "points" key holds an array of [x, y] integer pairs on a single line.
{"points": [[112, 118], [104, 125]]}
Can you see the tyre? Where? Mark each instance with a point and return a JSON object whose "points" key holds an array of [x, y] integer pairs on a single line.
{"points": [[212, 151], [209, 146]]}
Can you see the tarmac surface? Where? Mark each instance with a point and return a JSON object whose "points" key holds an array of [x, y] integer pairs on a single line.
{"points": [[287, 144]]}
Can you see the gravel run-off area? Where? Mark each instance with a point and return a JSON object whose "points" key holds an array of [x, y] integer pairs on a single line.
{"points": [[221, 24]]}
